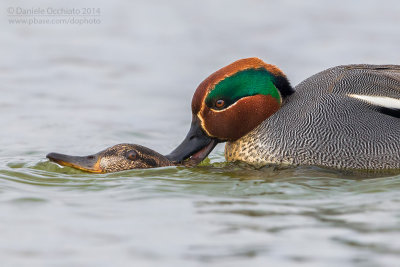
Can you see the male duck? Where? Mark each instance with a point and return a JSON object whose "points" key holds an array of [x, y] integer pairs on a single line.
{"points": [[346, 117]]}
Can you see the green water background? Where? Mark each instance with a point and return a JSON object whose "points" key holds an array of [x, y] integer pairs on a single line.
{"points": [[78, 89]]}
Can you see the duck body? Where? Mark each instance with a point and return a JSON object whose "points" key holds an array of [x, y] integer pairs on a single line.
{"points": [[346, 117], [327, 123], [114, 159]]}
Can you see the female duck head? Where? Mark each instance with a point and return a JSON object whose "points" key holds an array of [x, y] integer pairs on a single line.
{"points": [[116, 158], [230, 103]]}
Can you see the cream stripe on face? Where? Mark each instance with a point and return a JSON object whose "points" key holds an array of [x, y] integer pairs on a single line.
{"points": [[382, 101], [231, 106]]}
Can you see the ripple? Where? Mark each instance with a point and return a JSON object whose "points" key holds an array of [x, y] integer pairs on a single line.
{"points": [[29, 200]]}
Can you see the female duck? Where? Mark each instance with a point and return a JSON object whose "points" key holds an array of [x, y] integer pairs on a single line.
{"points": [[346, 117], [114, 159]]}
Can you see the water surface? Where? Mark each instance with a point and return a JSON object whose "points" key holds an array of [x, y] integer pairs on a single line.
{"points": [[78, 89]]}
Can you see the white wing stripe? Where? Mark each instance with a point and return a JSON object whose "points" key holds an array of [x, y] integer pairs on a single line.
{"points": [[383, 101]]}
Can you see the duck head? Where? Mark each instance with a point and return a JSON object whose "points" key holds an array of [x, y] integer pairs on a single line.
{"points": [[229, 104], [116, 158]]}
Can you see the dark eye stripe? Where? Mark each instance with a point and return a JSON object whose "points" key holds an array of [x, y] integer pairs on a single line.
{"points": [[150, 162], [242, 84]]}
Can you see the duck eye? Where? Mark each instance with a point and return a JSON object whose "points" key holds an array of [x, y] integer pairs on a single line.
{"points": [[219, 103], [132, 155]]}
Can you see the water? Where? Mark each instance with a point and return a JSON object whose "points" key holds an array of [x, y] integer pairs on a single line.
{"points": [[78, 89]]}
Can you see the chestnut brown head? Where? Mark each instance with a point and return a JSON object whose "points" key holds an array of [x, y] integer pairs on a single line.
{"points": [[230, 103]]}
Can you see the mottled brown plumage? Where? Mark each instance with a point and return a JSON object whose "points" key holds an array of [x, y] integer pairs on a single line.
{"points": [[116, 158]]}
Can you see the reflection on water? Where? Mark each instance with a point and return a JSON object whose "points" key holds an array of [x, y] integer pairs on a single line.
{"points": [[79, 89], [214, 214]]}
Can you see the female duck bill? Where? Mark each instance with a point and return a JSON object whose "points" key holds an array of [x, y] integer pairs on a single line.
{"points": [[87, 163]]}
